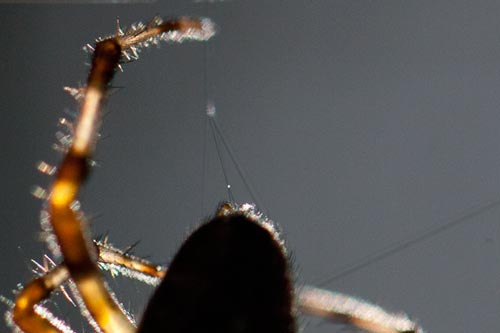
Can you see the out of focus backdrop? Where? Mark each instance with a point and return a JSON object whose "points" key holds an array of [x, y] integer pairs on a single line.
{"points": [[368, 129]]}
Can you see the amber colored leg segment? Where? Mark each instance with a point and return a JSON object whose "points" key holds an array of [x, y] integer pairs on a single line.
{"points": [[79, 257], [33, 293], [40, 288], [77, 249], [110, 255]]}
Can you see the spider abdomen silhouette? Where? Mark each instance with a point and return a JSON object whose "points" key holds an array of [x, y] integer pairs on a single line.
{"points": [[229, 276]]}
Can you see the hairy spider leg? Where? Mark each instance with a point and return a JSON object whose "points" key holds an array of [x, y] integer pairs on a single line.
{"points": [[111, 259], [76, 247]]}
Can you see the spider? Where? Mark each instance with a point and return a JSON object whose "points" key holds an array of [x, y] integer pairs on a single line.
{"points": [[230, 275]]}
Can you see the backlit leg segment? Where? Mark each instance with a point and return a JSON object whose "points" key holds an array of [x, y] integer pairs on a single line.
{"points": [[80, 257]]}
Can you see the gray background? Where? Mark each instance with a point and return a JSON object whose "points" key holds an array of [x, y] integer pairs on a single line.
{"points": [[359, 123]]}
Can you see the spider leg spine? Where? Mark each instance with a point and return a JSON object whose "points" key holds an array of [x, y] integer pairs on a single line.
{"points": [[46, 168]]}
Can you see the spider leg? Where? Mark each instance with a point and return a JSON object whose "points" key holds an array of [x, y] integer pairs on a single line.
{"points": [[30, 316], [118, 262], [25, 312], [80, 257], [348, 309]]}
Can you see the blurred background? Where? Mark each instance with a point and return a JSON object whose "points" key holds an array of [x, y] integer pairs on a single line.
{"points": [[368, 129]]}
